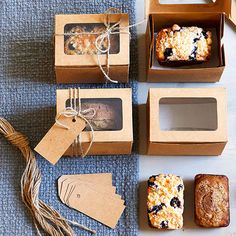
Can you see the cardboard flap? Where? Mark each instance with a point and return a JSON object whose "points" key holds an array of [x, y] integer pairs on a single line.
{"points": [[226, 6], [231, 11]]}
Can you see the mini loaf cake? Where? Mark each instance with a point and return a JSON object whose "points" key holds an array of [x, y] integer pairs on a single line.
{"points": [[212, 200], [165, 201], [183, 45], [83, 42]]}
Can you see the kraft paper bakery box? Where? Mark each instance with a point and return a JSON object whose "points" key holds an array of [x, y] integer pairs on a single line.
{"points": [[76, 54], [209, 17], [111, 122], [187, 121]]}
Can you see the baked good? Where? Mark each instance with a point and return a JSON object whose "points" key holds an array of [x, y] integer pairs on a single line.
{"points": [[108, 114], [165, 201], [84, 41], [183, 45], [212, 200]]}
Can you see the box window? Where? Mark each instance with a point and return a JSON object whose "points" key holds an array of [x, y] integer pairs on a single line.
{"points": [[108, 116], [188, 114], [84, 41]]}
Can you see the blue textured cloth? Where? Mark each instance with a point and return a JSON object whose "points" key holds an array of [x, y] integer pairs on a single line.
{"points": [[27, 100]]}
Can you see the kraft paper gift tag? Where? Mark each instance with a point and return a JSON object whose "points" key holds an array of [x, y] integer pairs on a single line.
{"points": [[93, 195], [103, 178], [69, 184], [99, 206], [58, 139]]}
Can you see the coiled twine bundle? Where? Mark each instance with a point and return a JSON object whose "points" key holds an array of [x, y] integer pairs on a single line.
{"points": [[44, 216]]}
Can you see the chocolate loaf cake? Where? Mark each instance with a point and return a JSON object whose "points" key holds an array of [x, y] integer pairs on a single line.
{"points": [[183, 45], [212, 201], [165, 201]]}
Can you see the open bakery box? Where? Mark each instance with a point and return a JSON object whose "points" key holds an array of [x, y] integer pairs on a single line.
{"points": [[209, 16], [186, 121]]}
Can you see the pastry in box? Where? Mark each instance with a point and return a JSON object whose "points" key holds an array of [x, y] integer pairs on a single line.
{"points": [[183, 45], [88, 46], [108, 111]]}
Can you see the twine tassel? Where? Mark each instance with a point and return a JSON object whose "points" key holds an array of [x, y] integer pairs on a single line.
{"points": [[44, 216]]}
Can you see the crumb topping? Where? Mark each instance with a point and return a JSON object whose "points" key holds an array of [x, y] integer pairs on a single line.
{"points": [[183, 44], [84, 43], [165, 201]]}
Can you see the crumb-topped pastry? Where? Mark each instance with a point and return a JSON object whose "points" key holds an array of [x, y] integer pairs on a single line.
{"points": [[83, 42], [183, 44], [212, 200], [165, 201]]}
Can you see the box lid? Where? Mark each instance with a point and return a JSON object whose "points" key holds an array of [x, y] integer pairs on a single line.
{"points": [[226, 6], [171, 136]]}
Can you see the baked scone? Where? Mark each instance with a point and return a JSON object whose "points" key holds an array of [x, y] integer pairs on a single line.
{"points": [[165, 201], [183, 44], [108, 115], [83, 42], [212, 200]]}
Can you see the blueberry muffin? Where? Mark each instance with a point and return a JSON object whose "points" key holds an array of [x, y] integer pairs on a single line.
{"points": [[165, 201], [183, 44], [83, 43], [212, 201]]}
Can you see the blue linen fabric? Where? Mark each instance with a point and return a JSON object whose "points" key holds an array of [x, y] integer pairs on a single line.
{"points": [[27, 100]]}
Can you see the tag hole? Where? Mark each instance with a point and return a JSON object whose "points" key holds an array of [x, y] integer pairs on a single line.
{"points": [[78, 195], [73, 120]]}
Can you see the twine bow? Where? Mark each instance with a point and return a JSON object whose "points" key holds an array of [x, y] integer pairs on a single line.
{"points": [[44, 216]]}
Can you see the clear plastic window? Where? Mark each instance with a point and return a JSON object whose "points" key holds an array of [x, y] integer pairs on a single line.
{"points": [[108, 112], [188, 114], [80, 39]]}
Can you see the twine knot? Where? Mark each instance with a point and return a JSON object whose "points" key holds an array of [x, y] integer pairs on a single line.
{"points": [[17, 139]]}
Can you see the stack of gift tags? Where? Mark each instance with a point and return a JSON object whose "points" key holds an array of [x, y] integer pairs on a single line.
{"points": [[92, 194]]}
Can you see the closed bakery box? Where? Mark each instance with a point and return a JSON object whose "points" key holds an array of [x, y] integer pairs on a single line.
{"points": [[209, 17], [187, 121], [77, 37], [110, 118]]}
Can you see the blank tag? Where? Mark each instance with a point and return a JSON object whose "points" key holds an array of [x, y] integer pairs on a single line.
{"points": [[99, 206], [58, 139], [97, 179]]}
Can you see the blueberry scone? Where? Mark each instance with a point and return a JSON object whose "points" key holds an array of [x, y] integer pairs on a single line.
{"points": [[165, 201], [81, 42], [212, 200], [183, 44]]}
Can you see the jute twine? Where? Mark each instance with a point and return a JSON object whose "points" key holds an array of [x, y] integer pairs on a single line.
{"points": [[44, 216], [74, 111]]}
